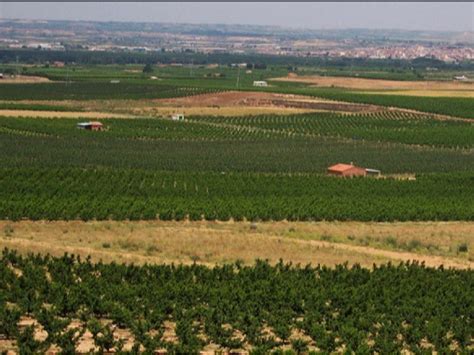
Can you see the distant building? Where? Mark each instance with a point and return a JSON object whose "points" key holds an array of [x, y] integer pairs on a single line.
{"points": [[153, 78], [178, 117], [114, 81], [373, 172], [91, 126], [58, 64], [460, 78], [260, 83], [346, 170]]}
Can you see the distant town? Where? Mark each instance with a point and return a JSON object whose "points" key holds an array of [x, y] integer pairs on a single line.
{"points": [[450, 47]]}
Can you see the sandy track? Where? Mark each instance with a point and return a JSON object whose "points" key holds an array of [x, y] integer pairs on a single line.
{"points": [[24, 79], [432, 261], [378, 84], [425, 93], [59, 114]]}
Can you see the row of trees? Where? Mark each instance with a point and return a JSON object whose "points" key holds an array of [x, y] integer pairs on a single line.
{"points": [[385, 310], [35, 56], [389, 126], [66, 194]]}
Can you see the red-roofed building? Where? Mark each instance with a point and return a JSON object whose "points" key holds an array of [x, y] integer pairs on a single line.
{"points": [[348, 170], [92, 126]]}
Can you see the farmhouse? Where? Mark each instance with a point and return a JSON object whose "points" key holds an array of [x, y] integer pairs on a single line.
{"points": [[91, 126], [346, 170], [178, 117], [260, 83]]}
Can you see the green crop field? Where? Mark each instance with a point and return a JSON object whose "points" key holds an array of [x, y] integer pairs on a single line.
{"points": [[389, 309], [278, 163], [93, 91], [57, 194], [225, 232], [252, 168], [384, 126]]}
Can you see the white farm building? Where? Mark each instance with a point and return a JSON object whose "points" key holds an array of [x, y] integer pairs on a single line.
{"points": [[178, 117], [260, 83]]}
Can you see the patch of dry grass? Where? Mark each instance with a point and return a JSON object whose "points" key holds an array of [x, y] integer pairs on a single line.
{"points": [[59, 114], [212, 243], [24, 79], [426, 93]]}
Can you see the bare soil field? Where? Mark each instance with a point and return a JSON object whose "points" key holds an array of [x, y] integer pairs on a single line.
{"points": [[24, 79], [217, 111], [218, 104], [210, 243], [263, 99], [59, 114], [378, 84]]}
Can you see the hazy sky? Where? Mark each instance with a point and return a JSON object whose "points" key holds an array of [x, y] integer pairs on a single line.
{"points": [[410, 16]]}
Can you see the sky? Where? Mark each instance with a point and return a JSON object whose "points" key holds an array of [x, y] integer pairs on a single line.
{"points": [[409, 16]]}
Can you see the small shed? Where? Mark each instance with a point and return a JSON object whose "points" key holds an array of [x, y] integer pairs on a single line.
{"points": [[115, 81], [178, 117], [260, 83], [346, 170], [373, 172], [460, 78], [91, 126]]}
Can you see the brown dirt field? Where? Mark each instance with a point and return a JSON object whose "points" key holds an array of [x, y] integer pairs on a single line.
{"points": [[211, 243], [59, 114], [218, 111], [378, 84], [262, 99], [24, 79], [218, 104], [231, 98]]}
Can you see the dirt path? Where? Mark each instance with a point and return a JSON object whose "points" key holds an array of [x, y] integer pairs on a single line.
{"points": [[432, 261], [24, 79], [60, 114]]}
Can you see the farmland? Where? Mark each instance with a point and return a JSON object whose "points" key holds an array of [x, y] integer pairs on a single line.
{"points": [[255, 152], [250, 166], [260, 308], [242, 178]]}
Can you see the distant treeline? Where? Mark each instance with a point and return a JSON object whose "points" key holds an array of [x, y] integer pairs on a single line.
{"points": [[37, 56]]}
